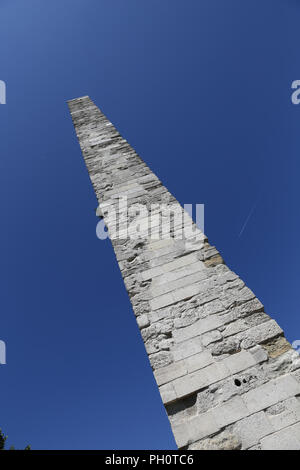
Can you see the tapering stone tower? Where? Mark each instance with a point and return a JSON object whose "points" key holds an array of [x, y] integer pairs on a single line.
{"points": [[227, 376]]}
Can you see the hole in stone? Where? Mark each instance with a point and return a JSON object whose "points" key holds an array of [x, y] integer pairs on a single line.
{"points": [[138, 246], [182, 405], [168, 334], [244, 381], [237, 382]]}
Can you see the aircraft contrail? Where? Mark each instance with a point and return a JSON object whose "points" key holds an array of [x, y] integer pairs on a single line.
{"points": [[248, 218]]}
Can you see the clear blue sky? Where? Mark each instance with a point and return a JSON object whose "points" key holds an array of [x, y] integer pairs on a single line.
{"points": [[201, 89]]}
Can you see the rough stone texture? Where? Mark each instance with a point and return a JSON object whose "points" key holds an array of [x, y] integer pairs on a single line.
{"points": [[226, 374]]}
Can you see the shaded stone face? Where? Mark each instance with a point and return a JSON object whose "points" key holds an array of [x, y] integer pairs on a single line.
{"points": [[226, 374]]}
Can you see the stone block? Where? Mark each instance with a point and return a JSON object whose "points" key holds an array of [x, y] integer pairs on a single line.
{"points": [[150, 273], [235, 327], [180, 273], [167, 393], [201, 326], [175, 247], [221, 441], [180, 262], [277, 346], [143, 321], [230, 412], [215, 306], [216, 372], [177, 283], [158, 315], [171, 372], [286, 439], [161, 359], [187, 348], [161, 302], [186, 292], [199, 361], [156, 245], [283, 420], [211, 337], [270, 393], [240, 361], [202, 426], [181, 434], [284, 413], [190, 383], [260, 334], [199, 379], [252, 429], [259, 354]]}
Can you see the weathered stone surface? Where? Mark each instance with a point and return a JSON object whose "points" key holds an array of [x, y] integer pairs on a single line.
{"points": [[251, 429], [143, 321], [277, 346], [167, 393], [198, 361], [228, 346], [224, 441], [201, 426], [181, 434], [160, 359], [214, 260], [183, 367], [211, 337], [198, 328], [187, 348], [227, 375], [284, 414], [171, 372], [187, 379], [240, 361], [286, 439], [260, 334], [272, 392], [232, 411], [259, 354]]}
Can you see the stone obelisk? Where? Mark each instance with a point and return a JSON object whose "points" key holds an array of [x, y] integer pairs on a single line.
{"points": [[227, 376]]}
